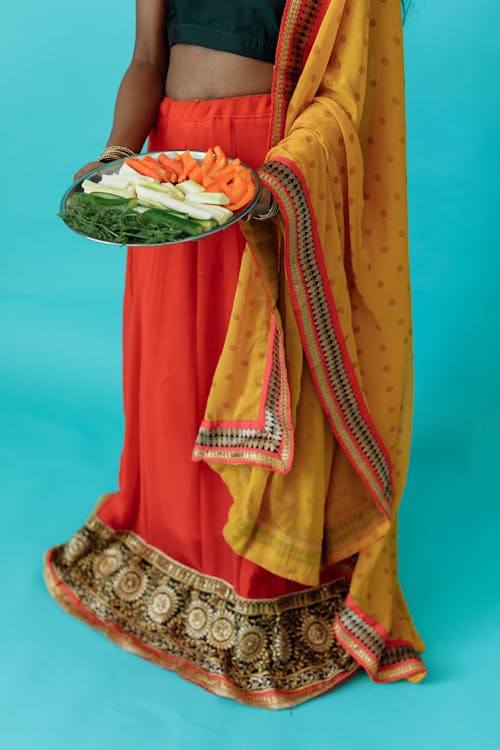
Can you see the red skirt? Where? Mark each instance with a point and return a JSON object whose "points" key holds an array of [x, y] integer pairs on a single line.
{"points": [[176, 311], [151, 568]]}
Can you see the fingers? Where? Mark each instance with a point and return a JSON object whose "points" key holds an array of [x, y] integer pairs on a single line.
{"points": [[264, 202], [86, 169]]}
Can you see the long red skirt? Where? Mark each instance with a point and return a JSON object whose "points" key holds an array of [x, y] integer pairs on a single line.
{"points": [[151, 568], [177, 306]]}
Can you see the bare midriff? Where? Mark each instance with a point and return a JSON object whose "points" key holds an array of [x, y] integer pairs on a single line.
{"points": [[200, 73]]}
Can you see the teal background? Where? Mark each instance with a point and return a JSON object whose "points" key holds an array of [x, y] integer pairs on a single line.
{"points": [[63, 685]]}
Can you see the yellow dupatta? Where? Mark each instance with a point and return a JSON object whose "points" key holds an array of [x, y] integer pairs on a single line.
{"points": [[309, 416]]}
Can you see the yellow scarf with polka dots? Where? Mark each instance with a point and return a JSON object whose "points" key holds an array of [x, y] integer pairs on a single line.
{"points": [[309, 416]]}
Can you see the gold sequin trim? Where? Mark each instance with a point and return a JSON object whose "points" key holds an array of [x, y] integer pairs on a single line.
{"points": [[266, 652], [361, 444]]}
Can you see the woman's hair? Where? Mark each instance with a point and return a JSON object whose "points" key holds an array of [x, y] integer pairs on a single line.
{"points": [[405, 5]]}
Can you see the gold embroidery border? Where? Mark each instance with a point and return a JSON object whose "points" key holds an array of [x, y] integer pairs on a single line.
{"points": [[206, 583], [298, 21], [384, 660], [310, 679], [366, 469], [409, 668], [185, 670], [281, 463]]}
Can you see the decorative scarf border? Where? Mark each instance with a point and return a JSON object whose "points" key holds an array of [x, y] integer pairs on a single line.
{"points": [[367, 642], [300, 24], [321, 334], [267, 442]]}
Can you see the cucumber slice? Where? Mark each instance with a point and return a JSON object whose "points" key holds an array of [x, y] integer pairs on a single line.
{"points": [[107, 199], [161, 216]]}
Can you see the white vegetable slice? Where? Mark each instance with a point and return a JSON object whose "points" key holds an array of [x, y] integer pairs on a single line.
{"points": [[190, 186], [219, 199], [97, 187], [148, 203], [116, 180], [125, 169], [219, 213], [184, 207], [165, 187]]}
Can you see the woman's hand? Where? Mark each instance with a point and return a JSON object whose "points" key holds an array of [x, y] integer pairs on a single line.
{"points": [[86, 169], [264, 203]]}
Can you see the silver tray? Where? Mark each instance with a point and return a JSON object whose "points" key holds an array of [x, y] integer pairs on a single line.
{"points": [[113, 167]]}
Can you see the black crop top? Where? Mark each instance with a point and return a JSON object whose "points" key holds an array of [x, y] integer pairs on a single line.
{"points": [[248, 28]]}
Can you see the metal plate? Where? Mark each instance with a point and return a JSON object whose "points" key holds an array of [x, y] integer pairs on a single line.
{"points": [[113, 167]]}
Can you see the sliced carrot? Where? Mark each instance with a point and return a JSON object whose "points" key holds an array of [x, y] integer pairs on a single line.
{"points": [[220, 161], [208, 160], [219, 153], [162, 173], [197, 175], [237, 190], [243, 201], [216, 187], [171, 164], [234, 187], [189, 162], [229, 170], [207, 181], [214, 172], [139, 166]]}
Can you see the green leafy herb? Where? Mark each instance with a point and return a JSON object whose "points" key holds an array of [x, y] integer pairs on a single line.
{"points": [[114, 219]]}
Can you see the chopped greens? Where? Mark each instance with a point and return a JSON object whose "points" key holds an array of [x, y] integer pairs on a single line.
{"points": [[114, 219]]}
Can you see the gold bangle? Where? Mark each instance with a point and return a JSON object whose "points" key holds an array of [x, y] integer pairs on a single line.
{"points": [[273, 210], [111, 153]]}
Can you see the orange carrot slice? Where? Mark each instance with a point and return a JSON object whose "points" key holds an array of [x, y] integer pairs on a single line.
{"points": [[189, 162], [234, 186], [208, 160], [171, 164], [207, 181], [247, 197], [197, 175], [230, 170], [142, 168], [162, 173], [220, 161], [237, 190]]}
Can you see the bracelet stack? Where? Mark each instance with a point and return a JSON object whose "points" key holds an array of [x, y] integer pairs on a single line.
{"points": [[273, 210], [111, 153]]}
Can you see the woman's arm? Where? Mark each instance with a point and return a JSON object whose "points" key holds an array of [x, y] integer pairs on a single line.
{"points": [[143, 85]]}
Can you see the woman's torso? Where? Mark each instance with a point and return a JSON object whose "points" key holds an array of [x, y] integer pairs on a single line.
{"points": [[238, 46], [200, 73]]}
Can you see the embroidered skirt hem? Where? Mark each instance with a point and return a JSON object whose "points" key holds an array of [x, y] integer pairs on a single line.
{"points": [[270, 653]]}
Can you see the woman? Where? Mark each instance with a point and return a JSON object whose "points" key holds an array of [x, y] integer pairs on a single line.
{"points": [[252, 544]]}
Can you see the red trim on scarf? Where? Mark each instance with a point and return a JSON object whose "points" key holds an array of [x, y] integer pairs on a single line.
{"points": [[345, 358], [366, 618]]}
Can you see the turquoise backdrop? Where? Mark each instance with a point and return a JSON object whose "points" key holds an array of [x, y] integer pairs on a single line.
{"points": [[63, 685]]}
